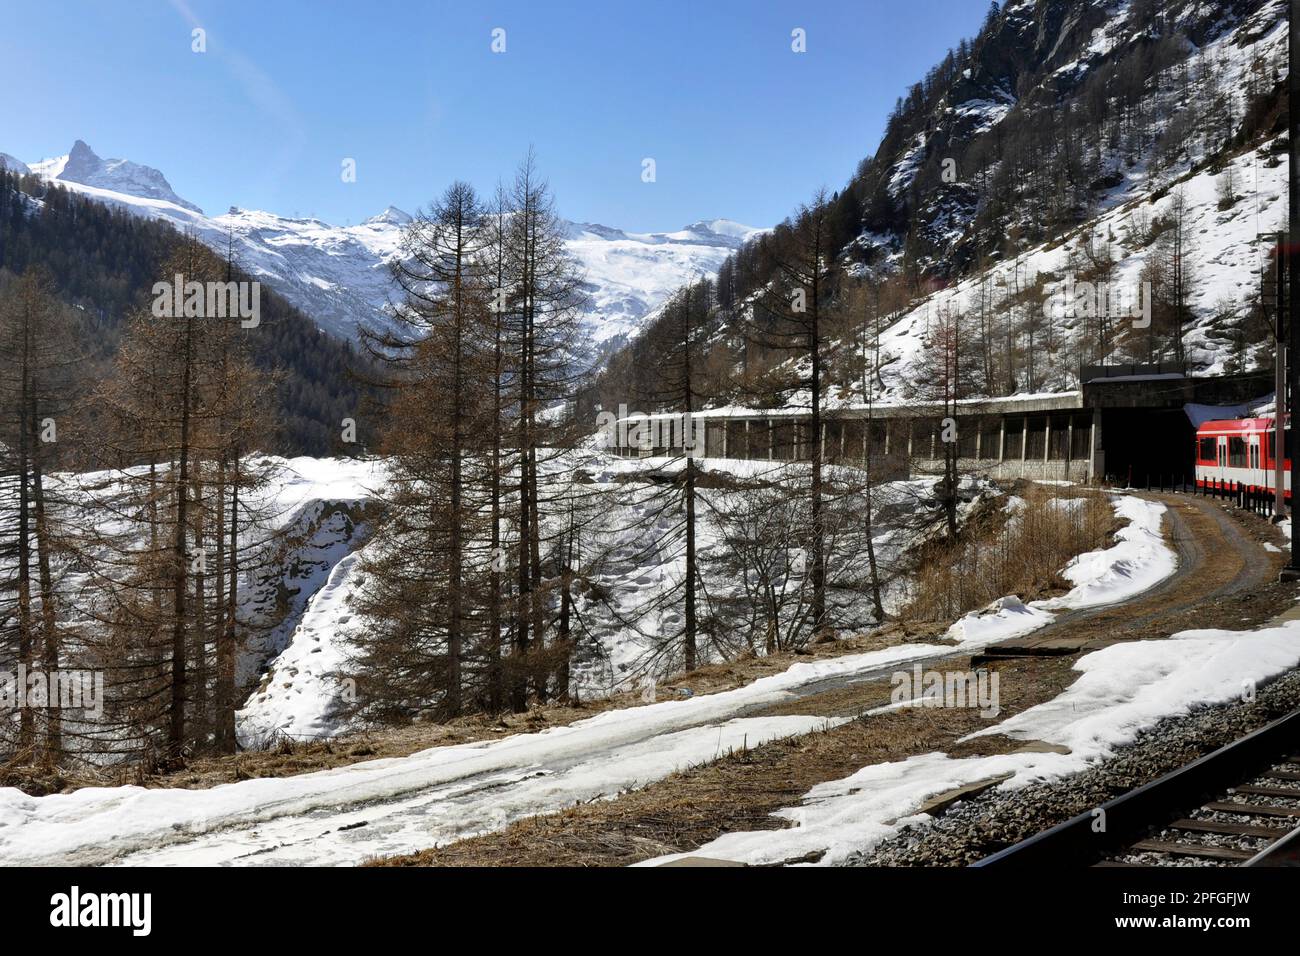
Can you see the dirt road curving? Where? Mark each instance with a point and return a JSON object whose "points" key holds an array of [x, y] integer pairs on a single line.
{"points": [[1226, 577]]}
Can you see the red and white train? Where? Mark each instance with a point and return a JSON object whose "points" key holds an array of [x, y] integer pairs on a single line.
{"points": [[1239, 452]]}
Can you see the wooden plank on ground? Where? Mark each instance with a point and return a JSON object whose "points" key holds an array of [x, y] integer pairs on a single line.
{"points": [[1192, 849], [940, 802], [1228, 829]]}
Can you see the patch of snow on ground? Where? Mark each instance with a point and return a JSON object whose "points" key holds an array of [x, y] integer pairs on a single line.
{"points": [[1124, 689], [1137, 561]]}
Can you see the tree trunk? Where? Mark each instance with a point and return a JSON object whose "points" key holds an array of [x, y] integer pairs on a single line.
{"points": [[26, 720], [199, 647], [49, 629], [176, 728], [227, 645], [819, 623]]}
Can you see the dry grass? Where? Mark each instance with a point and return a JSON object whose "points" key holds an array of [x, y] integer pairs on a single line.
{"points": [[1019, 552], [28, 772]]}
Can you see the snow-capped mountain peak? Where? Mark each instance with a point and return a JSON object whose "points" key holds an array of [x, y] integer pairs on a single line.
{"points": [[82, 165], [339, 275], [726, 228], [594, 230], [629, 275], [390, 216], [720, 232]]}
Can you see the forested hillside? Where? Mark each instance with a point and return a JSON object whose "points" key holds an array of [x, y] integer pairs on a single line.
{"points": [[1133, 143], [103, 263]]}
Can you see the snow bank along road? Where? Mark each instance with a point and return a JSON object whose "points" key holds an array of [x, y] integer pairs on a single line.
{"points": [[348, 814], [1216, 561]]}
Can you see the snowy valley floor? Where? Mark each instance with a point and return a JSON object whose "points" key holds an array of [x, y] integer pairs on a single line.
{"points": [[827, 796], [752, 750]]}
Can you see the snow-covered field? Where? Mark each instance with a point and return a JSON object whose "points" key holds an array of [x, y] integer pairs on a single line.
{"points": [[388, 806], [1122, 690], [385, 806]]}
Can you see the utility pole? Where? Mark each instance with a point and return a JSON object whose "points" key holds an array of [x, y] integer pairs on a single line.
{"points": [[1292, 571], [1279, 381]]}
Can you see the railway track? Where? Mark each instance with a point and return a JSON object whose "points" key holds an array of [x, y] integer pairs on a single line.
{"points": [[1237, 806]]}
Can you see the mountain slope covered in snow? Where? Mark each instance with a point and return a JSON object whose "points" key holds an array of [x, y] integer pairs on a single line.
{"points": [[339, 275], [1126, 151], [1158, 120], [1059, 110]]}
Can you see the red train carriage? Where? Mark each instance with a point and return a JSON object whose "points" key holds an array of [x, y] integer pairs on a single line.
{"points": [[1239, 452]]}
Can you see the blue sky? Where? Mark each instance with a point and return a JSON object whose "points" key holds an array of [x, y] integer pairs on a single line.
{"points": [[739, 126]]}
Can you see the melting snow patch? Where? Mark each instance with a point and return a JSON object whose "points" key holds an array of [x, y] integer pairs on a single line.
{"points": [[1138, 561], [1124, 689]]}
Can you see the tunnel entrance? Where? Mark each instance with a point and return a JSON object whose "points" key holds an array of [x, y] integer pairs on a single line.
{"points": [[1147, 445], [1146, 433]]}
